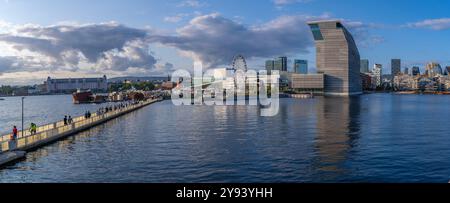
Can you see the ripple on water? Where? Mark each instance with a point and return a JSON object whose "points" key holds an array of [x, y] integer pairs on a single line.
{"points": [[319, 140]]}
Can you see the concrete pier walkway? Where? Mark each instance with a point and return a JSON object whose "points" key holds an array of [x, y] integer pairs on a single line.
{"points": [[11, 151]]}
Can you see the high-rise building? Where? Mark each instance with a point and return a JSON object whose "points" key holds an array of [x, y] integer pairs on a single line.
{"points": [[415, 71], [281, 64], [364, 66], [270, 64], [277, 65], [377, 72], [395, 67], [406, 71], [301, 66], [337, 57]]}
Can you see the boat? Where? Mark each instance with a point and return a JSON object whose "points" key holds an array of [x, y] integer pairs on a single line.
{"points": [[82, 97], [97, 98]]}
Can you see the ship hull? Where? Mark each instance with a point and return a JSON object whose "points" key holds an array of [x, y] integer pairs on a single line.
{"points": [[82, 97]]}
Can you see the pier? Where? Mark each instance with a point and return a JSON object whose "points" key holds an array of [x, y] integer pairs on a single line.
{"points": [[11, 151]]}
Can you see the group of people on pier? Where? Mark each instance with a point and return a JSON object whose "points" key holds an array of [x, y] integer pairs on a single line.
{"points": [[68, 118], [87, 114], [107, 109]]}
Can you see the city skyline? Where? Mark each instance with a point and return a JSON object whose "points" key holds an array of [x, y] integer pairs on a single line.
{"points": [[172, 36]]}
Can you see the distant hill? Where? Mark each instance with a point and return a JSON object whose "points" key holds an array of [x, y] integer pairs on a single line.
{"points": [[137, 79]]}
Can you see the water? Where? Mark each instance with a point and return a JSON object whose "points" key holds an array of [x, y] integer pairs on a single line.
{"points": [[40, 110], [371, 138]]}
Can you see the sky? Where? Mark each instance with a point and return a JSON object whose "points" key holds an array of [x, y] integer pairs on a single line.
{"points": [[89, 38]]}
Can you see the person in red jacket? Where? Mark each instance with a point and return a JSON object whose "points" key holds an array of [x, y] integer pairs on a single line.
{"points": [[14, 134]]}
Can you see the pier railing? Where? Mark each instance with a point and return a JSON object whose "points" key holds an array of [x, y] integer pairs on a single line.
{"points": [[56, 129]]}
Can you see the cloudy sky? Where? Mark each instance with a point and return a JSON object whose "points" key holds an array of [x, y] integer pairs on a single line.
{"points": [[82, 38]]}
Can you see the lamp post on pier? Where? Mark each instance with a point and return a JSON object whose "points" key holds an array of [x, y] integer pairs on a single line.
{"points": [[23, 98]]}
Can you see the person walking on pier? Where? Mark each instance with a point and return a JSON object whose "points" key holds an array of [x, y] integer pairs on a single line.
{"points": [[70, 120], [12, 144], [14, 133], [65, 120], [33, 128]]}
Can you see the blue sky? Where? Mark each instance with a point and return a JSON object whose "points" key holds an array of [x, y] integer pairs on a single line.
{"points": [[415, 31]]}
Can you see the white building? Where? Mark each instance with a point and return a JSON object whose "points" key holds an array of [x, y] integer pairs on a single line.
{"points": [[68, 85], [377, 71]]}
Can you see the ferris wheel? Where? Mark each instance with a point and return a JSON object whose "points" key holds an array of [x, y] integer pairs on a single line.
{"points": [[239, 68], [239, 63]]}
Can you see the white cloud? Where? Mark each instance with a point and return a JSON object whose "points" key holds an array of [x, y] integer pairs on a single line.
{"points": [[286, 2], [361, 33], [434, 24], [176, 18], [192, 3]]}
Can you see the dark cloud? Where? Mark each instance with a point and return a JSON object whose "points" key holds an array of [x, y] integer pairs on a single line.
{"points": [[6, 64], [108, 46], [133, 54], [214, 39]]}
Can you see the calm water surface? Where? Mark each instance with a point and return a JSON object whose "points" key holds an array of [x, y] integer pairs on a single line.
{"points": [[40, 110], [371, 138]]}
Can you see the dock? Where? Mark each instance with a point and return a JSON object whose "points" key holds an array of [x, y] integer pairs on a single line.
{"points": [[11, 151]]}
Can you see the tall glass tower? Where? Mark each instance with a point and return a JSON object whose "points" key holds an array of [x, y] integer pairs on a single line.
{"points": [[301, 66], [395, 67], [337, 57]]}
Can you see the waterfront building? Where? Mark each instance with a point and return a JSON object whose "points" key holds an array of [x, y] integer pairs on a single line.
{"points": [[388, 78], [415, 71], [301, 66], [377, 71], [433, 69], [69, 85], [395, 67], [337, 58], [445, 82], [366, 79], [364, 66], [306, 82], [405, 82], [447, 70]]}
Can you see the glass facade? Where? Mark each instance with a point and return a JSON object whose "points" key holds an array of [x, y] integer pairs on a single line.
{"points": [[281, 64], [301, 66], [316, 32]]}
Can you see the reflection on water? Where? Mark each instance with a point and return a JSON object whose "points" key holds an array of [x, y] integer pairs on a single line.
{"points": [[371, 138], [338, 129]]}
